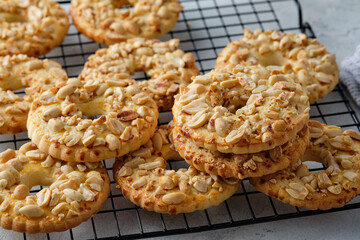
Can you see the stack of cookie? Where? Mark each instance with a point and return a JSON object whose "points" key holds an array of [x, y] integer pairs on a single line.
{"points": [[249, 118]]}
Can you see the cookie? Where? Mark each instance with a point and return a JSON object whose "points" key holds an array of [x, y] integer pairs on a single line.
{"points": [[31, 27], [167, 66], [20, 71], [85, 122], [330, 188], [315, 68], [241, 166], [244, 110], [143, 179], [105, 22], [75, 192]]}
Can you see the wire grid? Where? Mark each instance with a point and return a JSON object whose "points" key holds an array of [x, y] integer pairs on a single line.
{"points": [[204, 28]]}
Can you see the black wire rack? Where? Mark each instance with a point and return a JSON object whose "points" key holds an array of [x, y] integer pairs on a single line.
{"points": [[205, 27]]}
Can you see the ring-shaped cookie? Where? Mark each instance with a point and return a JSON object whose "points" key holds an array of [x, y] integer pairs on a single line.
{"points": [[245, 110], [241, 165], [314, 66], [56, 124], [166, 65], [20, 71], [105, 22], [31, 27], [330, 188], [143, 178], [75, 192]]}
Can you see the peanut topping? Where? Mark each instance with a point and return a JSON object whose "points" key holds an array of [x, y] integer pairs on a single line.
{"points": [[21, 191], [297, 191], [174, 198], [31, 211]]}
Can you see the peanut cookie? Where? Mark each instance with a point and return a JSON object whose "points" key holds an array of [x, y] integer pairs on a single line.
{"points": [[31, 27], [64, 121], [20, 71], [330, 188], [241, 166], [314, 66], [167, 66], [104, 21], [75, 192], [245, 110], [142, 178]]}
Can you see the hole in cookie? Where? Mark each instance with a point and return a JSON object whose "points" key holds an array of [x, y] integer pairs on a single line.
{"points": [[313, 161], [120, 3], [13, 18], [272, 59], [232, 100], [176, 165], [314, 166], [91, 111], [140, 76], [33, 179]]}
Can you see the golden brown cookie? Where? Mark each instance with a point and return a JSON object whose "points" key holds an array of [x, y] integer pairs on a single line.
{"points": [[142, 178], [86, 122], [75, 192], [20, 71], [330, 188], [241, 166], [104, 22], [31, 27], [315, 68], [244, 110], [167, 66]]}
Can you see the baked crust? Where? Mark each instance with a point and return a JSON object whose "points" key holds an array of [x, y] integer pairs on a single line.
{"points": [[244, 110], [44, 25], [20, 71], [330, 188], [167, 66], [76, 191], [143, 179], [128, 120], [315, 68], [242, 165], [103, 21]]}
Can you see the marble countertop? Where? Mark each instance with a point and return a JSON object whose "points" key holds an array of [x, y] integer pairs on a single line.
{"points": [[335, 24]]}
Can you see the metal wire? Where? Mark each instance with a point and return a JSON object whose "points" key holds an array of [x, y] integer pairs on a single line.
{"points": [[204, 28]]}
